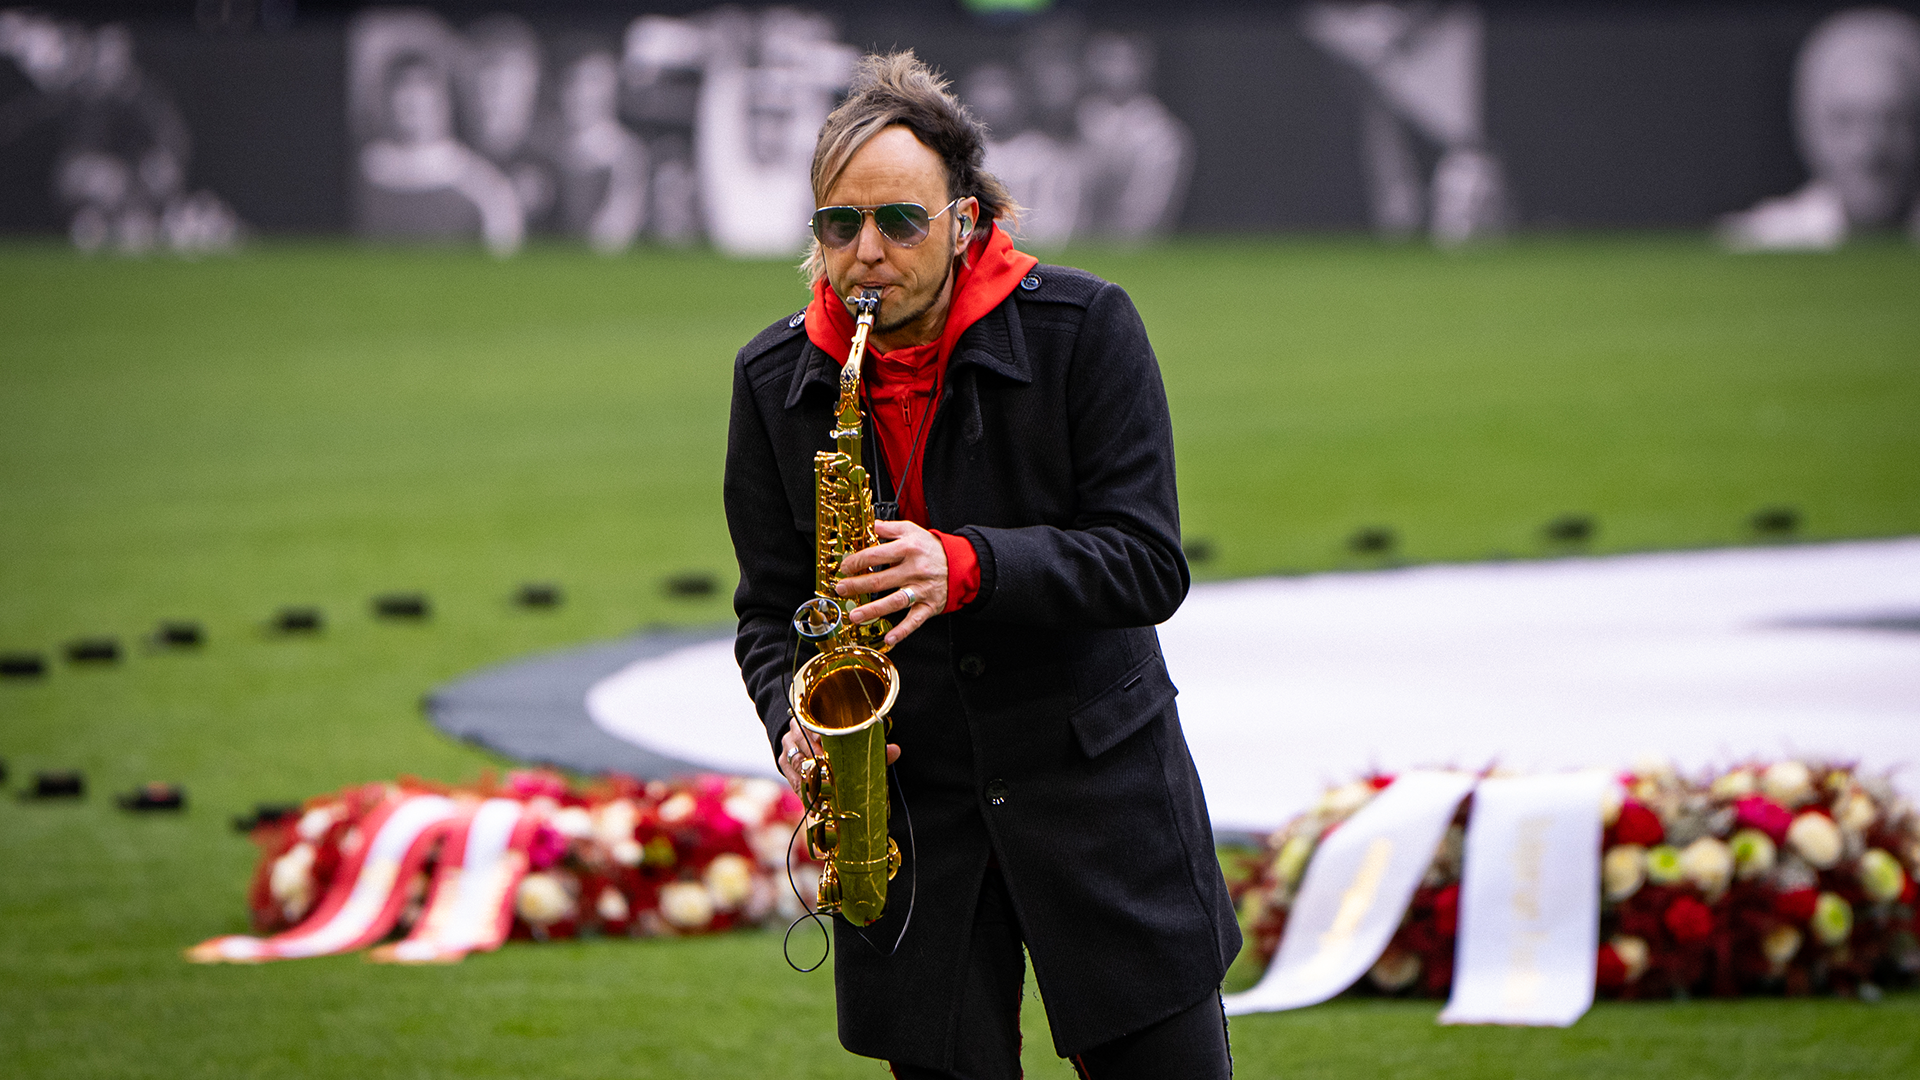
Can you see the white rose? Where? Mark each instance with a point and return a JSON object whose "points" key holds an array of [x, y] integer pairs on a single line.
{"points": [[1633, 953], [729, 877], [1780, 945], [1347, 798], [612, 905], [678, 808], [290, 882], [1708, 864], [315, 822], [1788, 783], [1816, 839], [1395, 970], [1737, 784], [1623, 870], [1753, 853], [686, 905], [572, 822], [1855, 812], [615, 822], [542, 899], [770, 844], [752, 801]]}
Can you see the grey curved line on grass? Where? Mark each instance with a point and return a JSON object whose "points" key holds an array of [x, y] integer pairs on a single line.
{"points": [[534, 710]]}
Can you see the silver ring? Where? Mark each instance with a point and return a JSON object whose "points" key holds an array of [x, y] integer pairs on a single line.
{"points": [[793, 753], [911, 598]]}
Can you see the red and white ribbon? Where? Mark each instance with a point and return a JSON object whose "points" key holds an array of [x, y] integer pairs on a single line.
{"points": [[366, 896], [471, 906]]}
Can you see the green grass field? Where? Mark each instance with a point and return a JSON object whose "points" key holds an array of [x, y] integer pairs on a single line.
{"points": [[312, 424]]}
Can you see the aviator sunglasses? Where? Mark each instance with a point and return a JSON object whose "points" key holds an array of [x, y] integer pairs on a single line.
{"points": [[904, 224]]}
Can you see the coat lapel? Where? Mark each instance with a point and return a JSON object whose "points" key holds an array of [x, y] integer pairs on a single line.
{"points": [[814, 366]]}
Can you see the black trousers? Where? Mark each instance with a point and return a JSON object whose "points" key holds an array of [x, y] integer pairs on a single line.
{"points": [[1189, 1045]]}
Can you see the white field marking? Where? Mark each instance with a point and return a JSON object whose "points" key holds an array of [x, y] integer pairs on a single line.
{"points": [[1288, 684]]}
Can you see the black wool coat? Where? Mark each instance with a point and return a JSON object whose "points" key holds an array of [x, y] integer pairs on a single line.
{"points": [[1037, 724]]}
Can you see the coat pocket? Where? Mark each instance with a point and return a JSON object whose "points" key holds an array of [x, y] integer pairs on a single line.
{"points": [[1142, 693]]}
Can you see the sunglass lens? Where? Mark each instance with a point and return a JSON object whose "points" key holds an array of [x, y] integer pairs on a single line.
{"points": [[903, 223], [837, 226]]}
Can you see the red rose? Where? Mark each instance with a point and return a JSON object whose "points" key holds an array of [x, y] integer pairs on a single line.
{"points": [[1638, 825], [1610, 973], [1446, 909], [1760, 812], [1688, 920], [1797, 905], [546, 847]]}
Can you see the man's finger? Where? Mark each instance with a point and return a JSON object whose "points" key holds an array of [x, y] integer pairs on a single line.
{"points": [[908, 625], [879, 581], [876, 556]]}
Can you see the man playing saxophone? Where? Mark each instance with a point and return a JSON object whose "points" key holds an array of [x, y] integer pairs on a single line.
{"points": [[1021, 456]]}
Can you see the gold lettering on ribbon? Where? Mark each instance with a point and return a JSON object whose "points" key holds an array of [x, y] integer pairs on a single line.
{"points": [[1358, 899], [1524, 978]]}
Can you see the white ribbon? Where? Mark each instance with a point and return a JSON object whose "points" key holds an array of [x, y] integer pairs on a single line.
{"points": [[1529, 902], [1355, 891]]}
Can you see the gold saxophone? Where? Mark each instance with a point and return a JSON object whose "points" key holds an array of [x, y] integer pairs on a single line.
{"points": [[841, 696]]}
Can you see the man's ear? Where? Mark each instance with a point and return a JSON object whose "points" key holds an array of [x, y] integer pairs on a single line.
{"points": [[967, 211]]}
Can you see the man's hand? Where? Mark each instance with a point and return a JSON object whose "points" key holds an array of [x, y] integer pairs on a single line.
{"points": [[912, 563], [795, 747]]}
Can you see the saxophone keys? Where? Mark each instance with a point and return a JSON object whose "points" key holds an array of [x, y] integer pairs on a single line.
{"points": [[828, 896]]}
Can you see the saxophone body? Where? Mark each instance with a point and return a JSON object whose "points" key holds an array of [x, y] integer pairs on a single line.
{"points": [[841, 696]]}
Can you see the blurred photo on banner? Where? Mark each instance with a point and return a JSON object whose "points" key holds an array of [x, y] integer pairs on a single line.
{"points": [[1422, 71], [1856, 118], [121, 172], [753, 88], [1078, 136], [683, 128], [416, 178]]}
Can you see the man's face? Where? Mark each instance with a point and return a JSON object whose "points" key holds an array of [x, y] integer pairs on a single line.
{"points": [[1860, 122], [914, 282]]}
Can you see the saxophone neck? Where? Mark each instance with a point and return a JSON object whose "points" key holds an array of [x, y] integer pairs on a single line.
{"points": [[847, 427]]}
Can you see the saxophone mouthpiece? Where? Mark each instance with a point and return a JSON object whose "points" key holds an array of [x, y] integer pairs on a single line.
{"points": [[866, 303]]}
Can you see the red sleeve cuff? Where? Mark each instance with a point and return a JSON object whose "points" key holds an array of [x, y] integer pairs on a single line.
{"points": [[963, 571]]}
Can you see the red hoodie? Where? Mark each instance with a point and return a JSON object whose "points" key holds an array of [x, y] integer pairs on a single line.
{"points": [[903, 386]]}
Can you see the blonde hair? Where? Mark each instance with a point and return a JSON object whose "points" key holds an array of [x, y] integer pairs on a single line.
{"points": [[898, 89]]}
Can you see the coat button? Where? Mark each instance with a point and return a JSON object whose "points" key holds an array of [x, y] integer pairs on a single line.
{"points": [[1030, 282], [798, 318], [997, 792], [972, 666]]}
